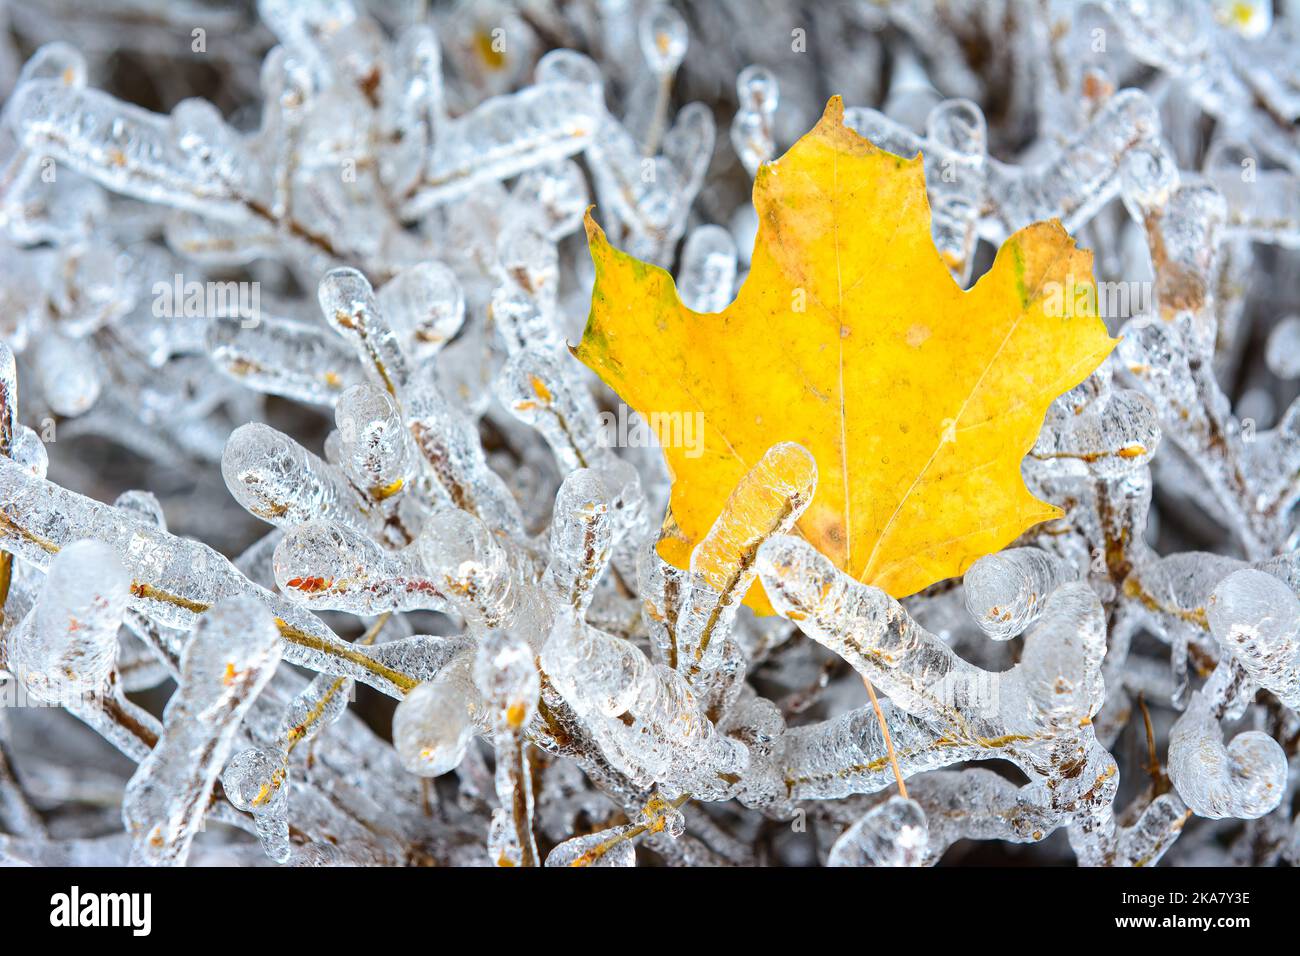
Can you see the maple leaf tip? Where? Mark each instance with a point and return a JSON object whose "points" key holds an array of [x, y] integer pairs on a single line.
{"points": [[834, 112], [1056, 224], [594, 232]]}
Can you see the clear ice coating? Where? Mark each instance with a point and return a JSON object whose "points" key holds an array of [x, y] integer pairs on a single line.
{"points": [[230, 658], [287, 407], [892, 834]]}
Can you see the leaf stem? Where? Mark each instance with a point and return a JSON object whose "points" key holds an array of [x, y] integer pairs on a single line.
{"points": [[889, 742]]}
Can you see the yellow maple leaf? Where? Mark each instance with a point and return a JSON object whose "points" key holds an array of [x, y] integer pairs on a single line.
{"points": [[917, 399]]}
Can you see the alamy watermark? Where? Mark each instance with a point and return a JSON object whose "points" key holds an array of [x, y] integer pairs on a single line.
{"points": [[14, 693], [196, 299], [976, 693], [628, 429], [1109, 300], [77, 909]]}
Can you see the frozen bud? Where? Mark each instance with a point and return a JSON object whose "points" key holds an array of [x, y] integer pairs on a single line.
{"points": [[1105, 439], [213, 149], [321, 703], [67, 644], [509, 686], [800, 581], [1256, 619], [614, 846], [627, 499], [1148, 176], [1246, 779], [1006, 592], [531, 261], [280, 356], [522, 322], [569, 67], [892, 834], [69, 371], [871, 631], [1084, 174], [751, 130], [505, 135], [255, 781], [594, 671], [55, 61], [349, 304], [557, 191], [1061, 663], [426, 306], [143, 505], [757, 89], [688, 145], [959, 125], [468, 565], [1145, 841], [537, 385], [581, 535], [768, 500], [663, 37], [435, 722], [374, 447], [449, 442], [884, 132], [708, 272], [1283, 351], [602, 848], [660, 815], [278, 480], [507, 679], [235, 646], [29, 451], [320, 855]]}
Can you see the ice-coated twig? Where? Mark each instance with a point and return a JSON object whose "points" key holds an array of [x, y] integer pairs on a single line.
{"points": [[65, 649], [1256, 619], [751, 130], [39, 519], [892, 834], [768, 501], [616, 846], [1037, 715], [436, 720], [233, 653], [1006, 592], [1244, 779], [508, 682], [502, 138]]}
